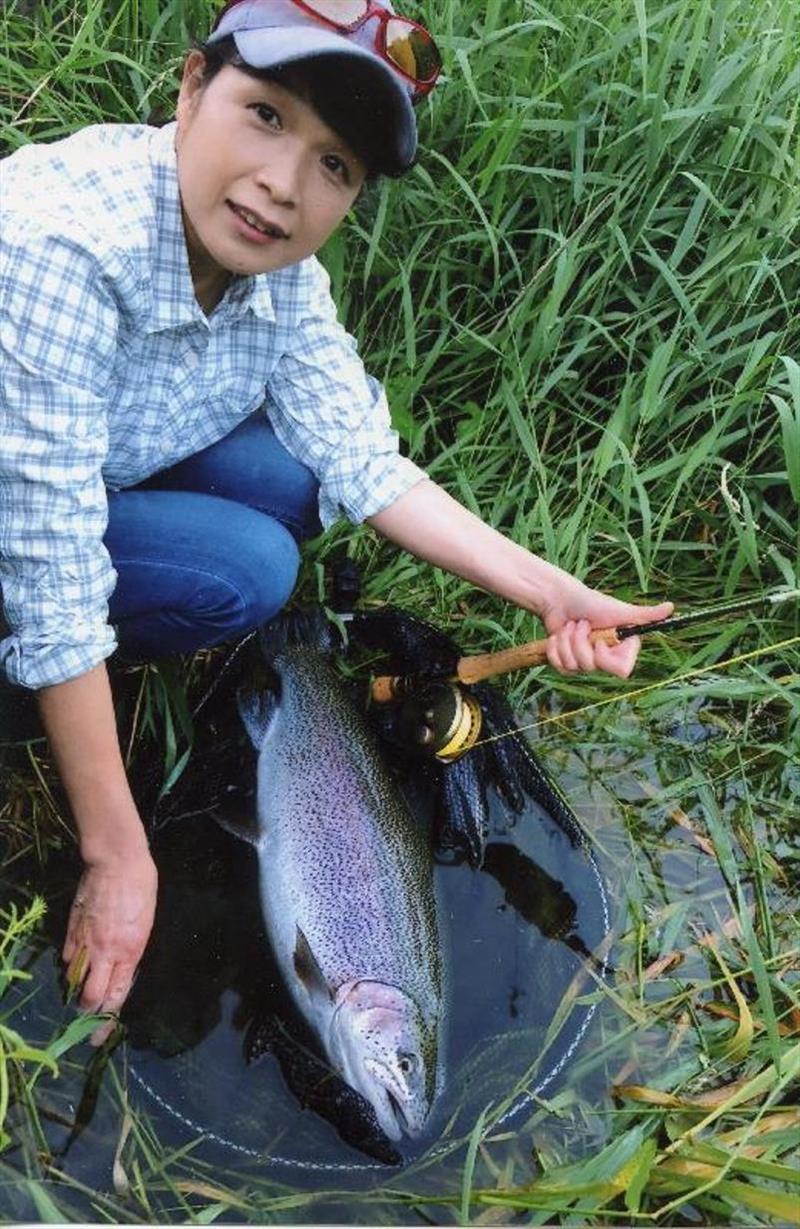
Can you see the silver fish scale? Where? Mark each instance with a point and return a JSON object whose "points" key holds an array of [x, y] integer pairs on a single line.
{"points": [[342, 857]]}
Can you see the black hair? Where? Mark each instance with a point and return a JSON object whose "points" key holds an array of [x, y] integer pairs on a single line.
{"points": [[359, 114]]}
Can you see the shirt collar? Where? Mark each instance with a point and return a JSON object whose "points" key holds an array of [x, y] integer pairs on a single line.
{"points": [[249, 294], [174, 303]]}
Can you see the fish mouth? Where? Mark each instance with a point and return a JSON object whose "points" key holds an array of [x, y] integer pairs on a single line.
{"points": [[396, 1117], [391, 1114], [403, 1125], [368, 1033]]}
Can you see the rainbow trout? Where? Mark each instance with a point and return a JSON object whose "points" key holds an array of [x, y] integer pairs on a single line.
{"points": [[347, 890]]}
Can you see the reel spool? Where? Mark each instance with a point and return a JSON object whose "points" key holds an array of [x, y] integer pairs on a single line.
{"points": [[441, 720]]}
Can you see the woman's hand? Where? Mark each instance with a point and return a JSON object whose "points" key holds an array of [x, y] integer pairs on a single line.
{"points": [[575, 611], [112, 914], [107, 932]]}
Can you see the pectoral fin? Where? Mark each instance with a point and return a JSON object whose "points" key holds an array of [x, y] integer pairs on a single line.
{"points": [[244, 829], [307, 969]]}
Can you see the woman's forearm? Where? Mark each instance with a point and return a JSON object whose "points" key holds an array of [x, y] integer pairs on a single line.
{"points": [[78, 717], [435, 527]]}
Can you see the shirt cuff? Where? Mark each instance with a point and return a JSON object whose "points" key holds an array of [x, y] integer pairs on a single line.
{"points": [[378, 486], [39, 661]]}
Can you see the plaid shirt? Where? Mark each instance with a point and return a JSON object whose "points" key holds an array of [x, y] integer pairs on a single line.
{"points": [[111, 371]]}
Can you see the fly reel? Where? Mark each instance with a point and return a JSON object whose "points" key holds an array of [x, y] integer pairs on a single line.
{"points": [[441, 719]]}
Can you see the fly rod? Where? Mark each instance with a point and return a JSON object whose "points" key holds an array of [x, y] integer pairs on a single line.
{"points": [[521, 656]]}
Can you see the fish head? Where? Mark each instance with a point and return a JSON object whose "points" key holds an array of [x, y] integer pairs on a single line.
{"points": [[384, 1049]]}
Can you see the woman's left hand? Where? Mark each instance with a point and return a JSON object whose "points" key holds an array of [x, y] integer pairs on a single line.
{"points": [[576, 611]]}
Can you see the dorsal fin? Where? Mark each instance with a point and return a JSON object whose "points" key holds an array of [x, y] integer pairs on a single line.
{"points": [[305, 627]]}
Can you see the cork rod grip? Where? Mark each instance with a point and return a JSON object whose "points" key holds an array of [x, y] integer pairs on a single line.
{"points": [[518, 657], [484, 665]]}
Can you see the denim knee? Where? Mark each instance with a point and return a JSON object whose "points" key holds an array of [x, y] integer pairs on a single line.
{"points": [[269, 581], [194, 571], [257, 584], [251, 467], [300, 513]]}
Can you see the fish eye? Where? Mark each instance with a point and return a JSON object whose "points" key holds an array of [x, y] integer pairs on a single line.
{"points": [[406, 1063]]}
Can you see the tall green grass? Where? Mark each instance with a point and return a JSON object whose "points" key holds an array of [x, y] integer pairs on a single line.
{"points": [[584, 301], [596, 270]]}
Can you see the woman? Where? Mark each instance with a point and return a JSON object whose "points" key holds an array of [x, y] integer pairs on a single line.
{"points": [[180, 404]]}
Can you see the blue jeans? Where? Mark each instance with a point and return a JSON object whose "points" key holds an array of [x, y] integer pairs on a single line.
{"points": [[207, 550]]}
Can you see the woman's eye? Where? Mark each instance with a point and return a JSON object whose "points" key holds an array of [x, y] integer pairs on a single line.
{"points": [[337, 165], [268, 114]]}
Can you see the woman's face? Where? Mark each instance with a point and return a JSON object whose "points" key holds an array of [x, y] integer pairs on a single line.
{"points": [[263, 180]]}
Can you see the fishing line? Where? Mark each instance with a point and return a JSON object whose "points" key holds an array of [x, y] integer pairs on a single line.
{"points": [[223, 670], [527, 1098], [641, 691]]}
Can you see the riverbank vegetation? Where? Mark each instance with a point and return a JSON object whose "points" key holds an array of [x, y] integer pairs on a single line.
{"points": [[585, 304]]}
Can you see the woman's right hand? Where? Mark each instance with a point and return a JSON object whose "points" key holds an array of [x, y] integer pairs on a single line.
{"points": [[113, 911], [107, 932]]}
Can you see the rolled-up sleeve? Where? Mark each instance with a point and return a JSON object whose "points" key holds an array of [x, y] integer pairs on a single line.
{"points": [[58, 327], [334, 417]]}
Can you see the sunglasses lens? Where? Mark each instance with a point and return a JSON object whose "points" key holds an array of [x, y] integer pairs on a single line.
{"points": [[338, 12], [413, 50]]}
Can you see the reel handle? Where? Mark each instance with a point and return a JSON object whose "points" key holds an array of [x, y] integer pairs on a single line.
{"points": [[386, 687]]}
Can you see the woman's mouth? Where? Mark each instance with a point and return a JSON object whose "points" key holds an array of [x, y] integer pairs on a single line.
{"points": [[254, 226]]}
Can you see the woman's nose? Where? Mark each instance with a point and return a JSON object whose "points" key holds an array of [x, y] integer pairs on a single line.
{"points": [[281, 177]]}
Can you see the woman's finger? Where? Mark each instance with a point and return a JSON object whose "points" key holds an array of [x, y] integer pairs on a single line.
{"points": [[119, 986], [76, 926], [582, 648], [103, 1032], [554, 655], [566, 657], [70, 944], [649, 614], [619, 659], [77, 969], [96, 986], [566, 650]]}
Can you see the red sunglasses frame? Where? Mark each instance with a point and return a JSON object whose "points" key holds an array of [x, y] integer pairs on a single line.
{"points": [[374, 9]]}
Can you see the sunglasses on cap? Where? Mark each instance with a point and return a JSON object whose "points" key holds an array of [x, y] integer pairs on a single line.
{"points": [[405, 45]]}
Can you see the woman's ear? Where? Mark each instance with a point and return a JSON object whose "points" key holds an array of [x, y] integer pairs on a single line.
{"points": [[191, 86]]}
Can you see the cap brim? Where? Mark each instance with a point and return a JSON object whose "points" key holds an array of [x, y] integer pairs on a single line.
{"points": [[275, 45]]}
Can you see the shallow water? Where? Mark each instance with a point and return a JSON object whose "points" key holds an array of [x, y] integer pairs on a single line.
{"points": [[514, 940], [511, 934]]}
